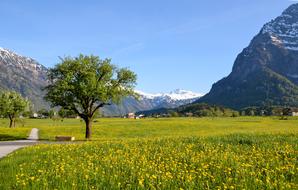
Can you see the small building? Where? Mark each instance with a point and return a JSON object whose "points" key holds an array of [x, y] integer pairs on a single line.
{"points": [[141, 116], [189, 114], [130, 115], [290, 111]]}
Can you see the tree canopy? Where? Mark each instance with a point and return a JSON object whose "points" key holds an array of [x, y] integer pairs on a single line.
{"points": [[12, 104], [84, 84]]}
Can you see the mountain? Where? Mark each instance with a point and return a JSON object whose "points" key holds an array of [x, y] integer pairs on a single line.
{"points": [[28, 77], [173, 99], [152, 101], [265, 72], [24, 75]]}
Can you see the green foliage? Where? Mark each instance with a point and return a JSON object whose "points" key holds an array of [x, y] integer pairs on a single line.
{"points": [[51, 113], [65, 113], [12, 105], [43, 112], [27, 113], [84, 84], [173, 114], [268, 111], [195, 110]]}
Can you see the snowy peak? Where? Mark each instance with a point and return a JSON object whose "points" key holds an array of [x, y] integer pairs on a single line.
{"points": [[24, 75], [177, 94], [283, 30], [147, 95], [292, 10], [13, 59], [172, 99]]}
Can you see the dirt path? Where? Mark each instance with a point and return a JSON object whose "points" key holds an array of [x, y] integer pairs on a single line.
{"points": [[7, 147]]}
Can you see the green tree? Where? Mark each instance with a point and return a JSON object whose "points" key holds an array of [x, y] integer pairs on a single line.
{"points": [[63, 113], [173, 114], [43, 113], [12, 105], [84, 84], [286, 111], [51, 113]]}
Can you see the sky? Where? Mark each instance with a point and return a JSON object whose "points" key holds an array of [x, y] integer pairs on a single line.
{"points": [[169, 44]]}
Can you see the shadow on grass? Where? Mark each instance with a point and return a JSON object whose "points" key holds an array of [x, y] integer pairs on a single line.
{"points": [[5, 137]]}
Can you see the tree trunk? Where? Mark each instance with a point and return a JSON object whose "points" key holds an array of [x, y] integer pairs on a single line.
{"points": [[88, 128], [10, 122]]}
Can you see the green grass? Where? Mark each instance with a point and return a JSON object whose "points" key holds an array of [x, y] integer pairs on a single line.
{"points": [[223, 162], [17, 133], [106, 129], [168, 153]]}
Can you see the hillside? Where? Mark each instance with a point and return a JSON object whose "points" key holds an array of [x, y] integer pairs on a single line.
{"points": [[24, 75], [266, 72]]}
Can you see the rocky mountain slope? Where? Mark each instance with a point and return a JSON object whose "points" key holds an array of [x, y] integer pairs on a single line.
{"points": [[24, 75], [266, 72]]}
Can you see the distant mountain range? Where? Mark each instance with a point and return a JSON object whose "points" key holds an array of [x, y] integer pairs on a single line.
{"points": [[266, 72], [28, 77], [152, 101]]}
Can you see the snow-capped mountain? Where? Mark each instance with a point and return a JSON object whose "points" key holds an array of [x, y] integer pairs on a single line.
{"points": [[266, 72], [24, 75], [172, 99], [283, 30], [175, 95], [149, 101], [13, 59]]}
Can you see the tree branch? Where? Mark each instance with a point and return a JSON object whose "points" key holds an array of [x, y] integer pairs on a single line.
{"points": [[99, 106]]}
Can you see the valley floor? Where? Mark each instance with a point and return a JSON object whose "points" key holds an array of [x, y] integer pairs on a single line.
{"points": [[171, 153], [108, 129]]}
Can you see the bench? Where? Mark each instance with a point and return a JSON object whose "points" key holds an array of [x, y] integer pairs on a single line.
{"points": [[64, 138]]}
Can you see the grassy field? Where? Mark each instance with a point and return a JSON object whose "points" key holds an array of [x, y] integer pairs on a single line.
{"points": [[174, 153], [107, 129], [17, 133]]}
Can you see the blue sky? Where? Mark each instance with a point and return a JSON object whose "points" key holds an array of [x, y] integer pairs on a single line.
{"points": [[170, 44]]}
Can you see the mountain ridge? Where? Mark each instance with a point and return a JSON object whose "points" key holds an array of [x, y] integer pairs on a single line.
{"points": [[24, 75], [265, 72], [148, 101]]}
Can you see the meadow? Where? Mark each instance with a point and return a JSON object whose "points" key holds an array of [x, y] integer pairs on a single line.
{"points": [[169, 153], [18, 133], [117, 128]]}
